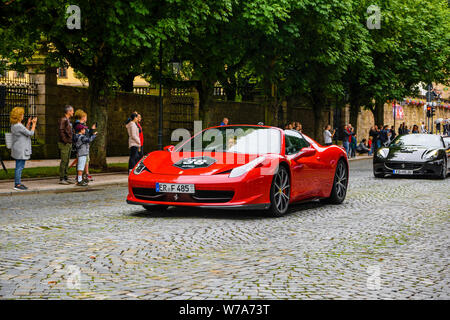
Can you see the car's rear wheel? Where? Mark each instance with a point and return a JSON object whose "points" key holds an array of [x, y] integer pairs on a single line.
{"points": [[155, 208], [280, 192], [340, 183]]}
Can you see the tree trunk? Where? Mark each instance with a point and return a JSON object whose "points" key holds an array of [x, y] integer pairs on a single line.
{"points": [[378, 113], [98, 100], [126, 82], [318, 104], [205, 91]]}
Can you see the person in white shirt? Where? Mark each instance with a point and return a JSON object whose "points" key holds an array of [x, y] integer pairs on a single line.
{"points": [[328, 136]]}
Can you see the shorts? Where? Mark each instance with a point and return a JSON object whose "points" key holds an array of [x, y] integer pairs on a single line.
{"points": [[81, 163]]}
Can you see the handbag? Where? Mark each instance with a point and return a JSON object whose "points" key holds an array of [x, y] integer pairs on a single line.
{"points": [[8, 140]]}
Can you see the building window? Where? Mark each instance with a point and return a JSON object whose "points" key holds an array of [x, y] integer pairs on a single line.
{"points": [[62, 72], [20, 74]]}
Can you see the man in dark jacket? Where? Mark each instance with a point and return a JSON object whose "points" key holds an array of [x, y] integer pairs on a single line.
{"points": [[65, 134]]}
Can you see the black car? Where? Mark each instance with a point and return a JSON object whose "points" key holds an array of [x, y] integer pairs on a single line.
{"points": [[413, 154]]}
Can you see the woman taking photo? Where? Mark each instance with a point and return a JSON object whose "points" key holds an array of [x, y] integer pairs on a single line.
{"points": [[21, 143]]}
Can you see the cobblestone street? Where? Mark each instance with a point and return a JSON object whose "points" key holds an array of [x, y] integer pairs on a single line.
{"points": [[388, 240]]}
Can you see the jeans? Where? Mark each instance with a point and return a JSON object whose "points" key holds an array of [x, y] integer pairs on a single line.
{"points": [[346, 146], [20, 164], [65, 149]]}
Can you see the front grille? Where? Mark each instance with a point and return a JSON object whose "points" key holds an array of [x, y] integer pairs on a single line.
{"points": [[403, 165], [211, 196]]}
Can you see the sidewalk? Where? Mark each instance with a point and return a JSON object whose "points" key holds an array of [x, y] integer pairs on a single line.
{"points": [[101, 180], [10, 164]]}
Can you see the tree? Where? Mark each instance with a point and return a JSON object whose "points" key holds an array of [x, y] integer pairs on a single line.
{"points": [[113, 39]]}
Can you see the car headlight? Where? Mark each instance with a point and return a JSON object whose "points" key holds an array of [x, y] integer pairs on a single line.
{"points": [[383, 153], [431, 154], [239, 171], [140, 166]]}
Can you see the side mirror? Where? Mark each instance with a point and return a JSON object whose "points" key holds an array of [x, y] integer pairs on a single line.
{"points": [[169, 148], [305, 152]]}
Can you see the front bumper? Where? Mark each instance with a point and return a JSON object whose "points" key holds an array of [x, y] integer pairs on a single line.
{"points": [[251, 191], [429, 168]]}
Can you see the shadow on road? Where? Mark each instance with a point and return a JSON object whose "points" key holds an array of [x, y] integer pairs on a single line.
{"points": [[193, 213]]}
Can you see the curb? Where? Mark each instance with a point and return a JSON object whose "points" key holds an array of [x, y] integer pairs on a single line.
{"points": [[65, 190], [57, 177], [361, 158]]}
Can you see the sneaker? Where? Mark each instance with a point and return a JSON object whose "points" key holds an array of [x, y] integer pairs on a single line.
{"points": [[64, 182], [82, 183], [20, 187]]}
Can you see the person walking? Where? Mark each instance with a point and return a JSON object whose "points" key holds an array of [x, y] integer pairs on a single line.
{"points": [[65, 133], [374, 133], [328, 136], [224, 122], [134, 143], [21, 143]]}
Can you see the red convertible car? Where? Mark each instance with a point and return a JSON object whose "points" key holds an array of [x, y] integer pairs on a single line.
{"points": [[240, 167]]}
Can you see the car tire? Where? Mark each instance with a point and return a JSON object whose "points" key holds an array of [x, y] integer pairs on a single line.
{"points": [[155, 208], [443, 174], [340, 184], [280, 192]]}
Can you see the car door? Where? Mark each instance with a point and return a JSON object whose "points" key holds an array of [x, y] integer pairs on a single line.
{"points": [[304, 180]]}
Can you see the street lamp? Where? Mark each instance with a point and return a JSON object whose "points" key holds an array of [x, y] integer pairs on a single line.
{"points": [[160, 128]]}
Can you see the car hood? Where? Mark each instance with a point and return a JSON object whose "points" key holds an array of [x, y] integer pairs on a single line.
{"points": [[195, 163], [408, 153]]}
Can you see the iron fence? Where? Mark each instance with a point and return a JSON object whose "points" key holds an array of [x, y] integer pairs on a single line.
{"points": [[16, 92]]}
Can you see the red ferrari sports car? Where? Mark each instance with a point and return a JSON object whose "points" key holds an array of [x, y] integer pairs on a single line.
{"points": [[240, 167]]}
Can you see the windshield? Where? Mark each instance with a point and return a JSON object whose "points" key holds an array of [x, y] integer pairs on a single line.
{"points": [[422, 140], [236, 139]]}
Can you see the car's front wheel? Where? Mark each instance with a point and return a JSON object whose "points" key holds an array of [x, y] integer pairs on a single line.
{"points": [[280, 192], [443, 174]]}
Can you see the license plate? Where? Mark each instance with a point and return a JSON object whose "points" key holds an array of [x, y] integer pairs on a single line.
{"points": [[175, 188], [403, 172]]}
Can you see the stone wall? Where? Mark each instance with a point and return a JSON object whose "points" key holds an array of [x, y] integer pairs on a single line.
{"points": [[236, 112]]}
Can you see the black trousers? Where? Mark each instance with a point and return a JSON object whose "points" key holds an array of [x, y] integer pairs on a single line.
{"points": [[134, 157]]}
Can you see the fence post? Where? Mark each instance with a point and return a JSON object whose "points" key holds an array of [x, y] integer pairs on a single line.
{"points": [[45, 101]]}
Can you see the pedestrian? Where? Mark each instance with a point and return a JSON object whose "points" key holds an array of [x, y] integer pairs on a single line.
{"points": [[224, 122], [362, 147], [438, 126], [415, 129], [347, 134], [134, 143], [81, 117], [393, 134], [384, 136], [65, 134], [422, 128], [353, 146], [328, 136], [21, 143], [141, 134], [299, 127], [375, 133], [82, 139], [370, 146], [405, 129]]}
